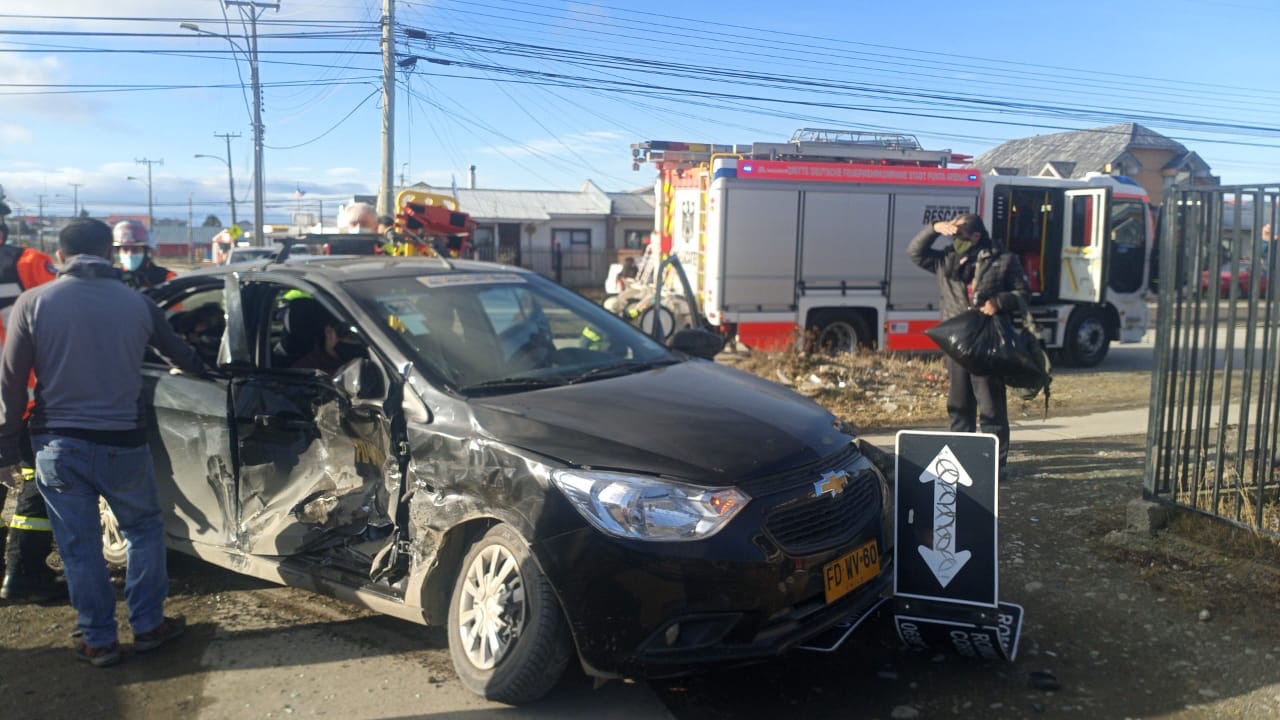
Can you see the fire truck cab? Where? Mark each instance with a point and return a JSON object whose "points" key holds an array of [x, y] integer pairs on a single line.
{"points": [[809, 238]]}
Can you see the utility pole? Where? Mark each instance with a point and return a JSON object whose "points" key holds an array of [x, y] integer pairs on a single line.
{"points": [[259, 191], [231, 178], [75, 199], [151, 220], [40, 240], [388, 107]]}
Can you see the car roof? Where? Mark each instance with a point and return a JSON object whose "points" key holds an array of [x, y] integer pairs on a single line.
{"points": [[352, 268]]}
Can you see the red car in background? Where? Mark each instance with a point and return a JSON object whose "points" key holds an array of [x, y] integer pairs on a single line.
{"points": [[1243, 279]]}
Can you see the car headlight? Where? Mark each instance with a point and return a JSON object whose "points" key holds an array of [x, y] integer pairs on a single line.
{"points": [[647, 508]]}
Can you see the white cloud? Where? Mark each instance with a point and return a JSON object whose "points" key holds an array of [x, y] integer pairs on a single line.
{"points": [[11, 135], [345, 172]]}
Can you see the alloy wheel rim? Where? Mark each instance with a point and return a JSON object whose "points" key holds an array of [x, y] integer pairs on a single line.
{"points": [[492, 607], [1090, 336]]}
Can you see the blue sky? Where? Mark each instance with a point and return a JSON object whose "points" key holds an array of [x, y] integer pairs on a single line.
{"points": [[544, 94]]}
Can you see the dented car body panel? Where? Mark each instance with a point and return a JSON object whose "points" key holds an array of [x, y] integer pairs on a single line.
{"points": [[476, 388]]}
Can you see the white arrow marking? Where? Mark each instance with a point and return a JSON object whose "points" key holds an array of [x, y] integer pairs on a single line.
{"points": [[946, 473]]}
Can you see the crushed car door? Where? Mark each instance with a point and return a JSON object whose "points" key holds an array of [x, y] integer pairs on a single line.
{"points": [[311, 462], [186, 419]]}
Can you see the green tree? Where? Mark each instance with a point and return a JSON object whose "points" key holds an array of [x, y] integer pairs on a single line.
{"points": [[212, 221]]}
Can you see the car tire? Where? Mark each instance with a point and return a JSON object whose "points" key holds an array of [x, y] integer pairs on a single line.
{"points": [[841, 332], [501, 594], [115, 549], [1086, 341]]}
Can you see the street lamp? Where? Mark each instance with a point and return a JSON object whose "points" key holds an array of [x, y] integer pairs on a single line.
{"points": [[253, 6], [231, 180], [146, 182]]}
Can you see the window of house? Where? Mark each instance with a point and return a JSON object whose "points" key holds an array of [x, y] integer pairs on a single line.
{"points": [[634, 239], [576, 246]]}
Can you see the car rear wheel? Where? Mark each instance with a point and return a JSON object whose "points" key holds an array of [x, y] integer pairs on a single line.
{"points": [[507, 636], [115, 549]]}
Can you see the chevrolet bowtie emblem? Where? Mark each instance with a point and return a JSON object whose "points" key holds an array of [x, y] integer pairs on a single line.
{"points": [[831, 482]]}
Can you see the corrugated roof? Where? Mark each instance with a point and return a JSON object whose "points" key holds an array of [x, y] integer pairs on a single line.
{"points": [[1089, 150], [517, 205], [632, 204]]}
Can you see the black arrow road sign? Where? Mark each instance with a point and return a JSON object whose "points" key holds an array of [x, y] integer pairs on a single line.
{"points": [[947, 513]]}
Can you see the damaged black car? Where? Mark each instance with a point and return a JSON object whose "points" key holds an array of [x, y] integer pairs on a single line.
{"points": [[471, 445]]}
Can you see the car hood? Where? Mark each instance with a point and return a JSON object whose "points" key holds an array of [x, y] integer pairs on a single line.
{"points": [[694, 420]]}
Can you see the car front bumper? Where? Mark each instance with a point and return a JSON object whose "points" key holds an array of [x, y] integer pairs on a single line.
{"points": [[754, 590]]}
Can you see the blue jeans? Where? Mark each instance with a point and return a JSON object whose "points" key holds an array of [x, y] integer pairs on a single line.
{"points": [[71, 474]]}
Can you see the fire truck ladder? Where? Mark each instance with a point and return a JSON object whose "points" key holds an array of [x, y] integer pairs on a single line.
{"points": [[813, 144]]}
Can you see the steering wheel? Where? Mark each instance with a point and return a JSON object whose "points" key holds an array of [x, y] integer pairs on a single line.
{"points": [[535, 353]]}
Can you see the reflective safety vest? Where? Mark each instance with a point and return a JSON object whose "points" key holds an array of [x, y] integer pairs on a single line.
{"points": [[21, 269]]}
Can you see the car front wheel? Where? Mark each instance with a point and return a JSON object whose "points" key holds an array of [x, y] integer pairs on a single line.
{"points": [[507, 636]]}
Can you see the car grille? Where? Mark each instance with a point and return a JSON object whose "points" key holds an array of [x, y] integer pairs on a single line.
{"points": [[782, 482], [819, 523]]}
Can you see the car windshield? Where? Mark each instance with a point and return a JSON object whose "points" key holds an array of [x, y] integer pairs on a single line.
{"points": [[503, 332]]}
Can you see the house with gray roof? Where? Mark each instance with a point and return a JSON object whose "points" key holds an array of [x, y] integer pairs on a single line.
{"points": [[1156, 162]]}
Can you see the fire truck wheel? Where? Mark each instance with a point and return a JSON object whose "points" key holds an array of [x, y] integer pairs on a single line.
{"points": [[1086, 341], [841, 332]]}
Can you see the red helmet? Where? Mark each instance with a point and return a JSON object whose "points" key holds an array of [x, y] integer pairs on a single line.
{"points": [[130, 233]]}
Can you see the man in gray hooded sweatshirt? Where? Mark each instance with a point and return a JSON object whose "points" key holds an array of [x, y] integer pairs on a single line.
{"points": [[84, 334]]}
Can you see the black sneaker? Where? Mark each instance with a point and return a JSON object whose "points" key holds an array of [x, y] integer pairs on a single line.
{"points": [[97, 657], [40, 589], [168, 629]]}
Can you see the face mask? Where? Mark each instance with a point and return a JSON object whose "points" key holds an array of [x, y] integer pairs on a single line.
{"points": [[961, 244], [131, 261]]}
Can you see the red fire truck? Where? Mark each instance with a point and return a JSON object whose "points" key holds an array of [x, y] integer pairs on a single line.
{"points": [[810, 236]]}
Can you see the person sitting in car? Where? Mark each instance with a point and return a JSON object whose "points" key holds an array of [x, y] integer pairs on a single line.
{"points": [[309, 325]]}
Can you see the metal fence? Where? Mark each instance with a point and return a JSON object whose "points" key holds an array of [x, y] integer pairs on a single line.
{"points": [[1214, 423]]}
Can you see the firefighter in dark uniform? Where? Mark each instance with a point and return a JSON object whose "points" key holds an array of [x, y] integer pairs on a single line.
{"points": [[27, 576], [133, 253]]}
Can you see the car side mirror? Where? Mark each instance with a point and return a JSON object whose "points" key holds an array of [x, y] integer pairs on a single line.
{"points": [[361, 379], [698, 342]]}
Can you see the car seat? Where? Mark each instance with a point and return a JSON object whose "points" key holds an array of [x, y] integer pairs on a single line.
{"points": [[304, 322], [1031, 265]]}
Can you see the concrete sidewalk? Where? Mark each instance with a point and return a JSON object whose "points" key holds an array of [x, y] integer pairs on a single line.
{"points": [[1075, 427]]}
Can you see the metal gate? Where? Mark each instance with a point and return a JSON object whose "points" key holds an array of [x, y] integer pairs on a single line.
{"points": [[1215, 414]]}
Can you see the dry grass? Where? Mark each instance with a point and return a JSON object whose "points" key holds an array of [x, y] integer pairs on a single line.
{"points": [[879, 392]]}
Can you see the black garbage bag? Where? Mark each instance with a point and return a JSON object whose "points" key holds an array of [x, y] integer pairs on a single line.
{"points": [[992, 346]]}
